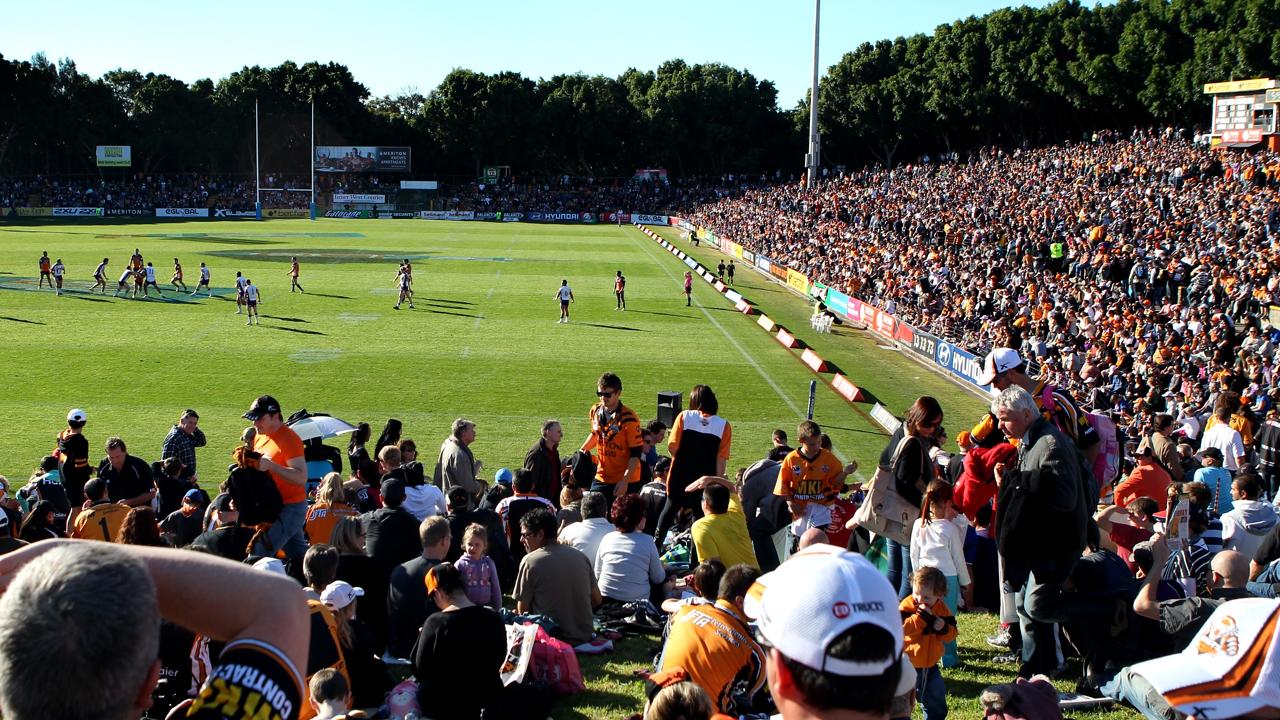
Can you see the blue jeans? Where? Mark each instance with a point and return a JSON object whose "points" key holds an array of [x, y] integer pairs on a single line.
{"points": [[932, 693], [899, 567], [285, 534], [1134, 689], [1267, 584]]}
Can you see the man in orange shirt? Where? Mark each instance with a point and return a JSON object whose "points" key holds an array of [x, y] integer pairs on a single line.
{"points": [[810, 479], [615, 431], [1147, 480], [283, 459]]}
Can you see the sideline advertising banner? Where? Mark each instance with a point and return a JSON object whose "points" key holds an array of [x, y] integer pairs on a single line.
{"points": [[285, 213], [33, 212], [182, 212], [649, 219], [837, 302], [798, 281], [359, 198], [959, 362], [361, 158], [77, 212], [226, 212], [347, 214], [114, 155], [125, 212]]}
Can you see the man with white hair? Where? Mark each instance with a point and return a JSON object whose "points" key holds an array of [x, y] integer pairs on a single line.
{"points": [[457, 465], [1044, 513], [91, 612]]}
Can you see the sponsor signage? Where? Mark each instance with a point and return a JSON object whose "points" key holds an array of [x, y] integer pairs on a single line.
{"points": [[1253, 135], [432, 214], [903, 333], [817, 290], [510, 217], [124, 212], [396, 215], [922, 343], [648, 219], [224, 212], [798, 281], [766, 323], [886, 419], [786, 338], [1234, 86], [838, 302], [560, 217], [114, 155], [486, 216], [459, 215], [34, 212], [419, 184], [778, 271], [361, 158], [733, 295], [589, 218], [285, 213], [748, 256], [359, 198], [76, 212], [762, 263], [885, 323], [812, 359], [347, 214], [846, 388], [958, 362], [614, 217], [182, 212]]}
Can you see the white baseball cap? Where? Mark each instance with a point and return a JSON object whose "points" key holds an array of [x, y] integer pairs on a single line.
{"points": [[814, 597], [998, 361], [1231, 668], [339, 594], [76, 415]]}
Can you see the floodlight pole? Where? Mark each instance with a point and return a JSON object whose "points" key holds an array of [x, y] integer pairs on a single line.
{"points": [[257, 172], [313, 159], [814, 158]]}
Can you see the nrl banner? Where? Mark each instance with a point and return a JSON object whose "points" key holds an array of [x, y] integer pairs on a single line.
{"points": [[359, 198]]}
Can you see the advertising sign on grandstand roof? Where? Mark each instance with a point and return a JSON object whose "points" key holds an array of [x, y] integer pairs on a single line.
{"points": [[1234, 86], [114, 155], [361, 158]]}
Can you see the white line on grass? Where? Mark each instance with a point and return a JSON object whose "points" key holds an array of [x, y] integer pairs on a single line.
{"points": [[466, 351], [747, 356]]}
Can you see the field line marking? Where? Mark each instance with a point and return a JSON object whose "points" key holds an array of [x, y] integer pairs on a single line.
{"points": [[466, 351], [707, 314]]}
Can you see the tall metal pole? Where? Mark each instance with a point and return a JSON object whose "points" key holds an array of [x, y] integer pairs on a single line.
{"points": [[814, 158], [313, 159], [257, 171]]}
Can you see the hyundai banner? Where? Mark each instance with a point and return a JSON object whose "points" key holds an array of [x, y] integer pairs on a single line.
{"points": [[959, 362]]}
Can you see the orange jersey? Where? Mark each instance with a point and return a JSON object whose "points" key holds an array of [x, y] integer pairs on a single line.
{"points": [[100, 522], [619, 284], [617, 441], [282, 446], [322, 519], [714, 646], [810, 480]]}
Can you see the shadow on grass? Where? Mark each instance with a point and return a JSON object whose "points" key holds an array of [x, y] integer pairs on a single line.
{"points": [[220, 240], [21, 320], [445, 300], [294, 330], [336, 297], [89, 299], [446, 312], [286, 319], [655, 312], [613, 327]]}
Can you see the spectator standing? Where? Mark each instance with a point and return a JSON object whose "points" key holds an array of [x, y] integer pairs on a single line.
{"points": [[1224, 438], [543, 460], [182, 441], [615, 435], [1216, 478], [457, 465], [101, 519], [1164, 451], [699, 446], [927, 625], [512, 508], [73, 456], [810, 479], [283, 458], [937, 541]]}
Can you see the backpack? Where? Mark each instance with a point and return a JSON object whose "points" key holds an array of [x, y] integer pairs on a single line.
{"points": [[1106, 467], [255, 494], [555, 665]]}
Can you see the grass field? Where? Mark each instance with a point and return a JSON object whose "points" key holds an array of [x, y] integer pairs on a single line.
{"points": [[483, 343]]}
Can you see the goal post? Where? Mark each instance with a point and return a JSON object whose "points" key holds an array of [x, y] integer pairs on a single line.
{"points": [[257, 167]]}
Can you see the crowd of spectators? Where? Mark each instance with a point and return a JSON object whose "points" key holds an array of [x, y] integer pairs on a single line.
{"points": [[1135, 270]]}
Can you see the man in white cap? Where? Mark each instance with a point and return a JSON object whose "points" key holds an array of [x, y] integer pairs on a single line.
{"points": [[832, 634], [1231, 669]]}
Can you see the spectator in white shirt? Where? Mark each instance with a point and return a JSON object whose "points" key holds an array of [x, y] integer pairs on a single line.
{"points": [[587, 534]]}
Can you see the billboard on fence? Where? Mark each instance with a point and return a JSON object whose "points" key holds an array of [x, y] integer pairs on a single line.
{"points": [[362, 158], [798, 281], [649, 219], [34, 212], [959, 362], [349, 214], [285, 213], [359, 198], [76, 212], [123, 212], [227, 212], [837, 302], [114, 155], [182, 212], [418, 184]]}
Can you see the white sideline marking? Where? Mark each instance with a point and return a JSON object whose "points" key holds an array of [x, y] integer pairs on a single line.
{"points": [[706, 313], [476, 324], [489, 295], [466, 351]]}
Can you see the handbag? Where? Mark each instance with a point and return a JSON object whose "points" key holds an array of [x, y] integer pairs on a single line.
{"points": [[884, 512]]}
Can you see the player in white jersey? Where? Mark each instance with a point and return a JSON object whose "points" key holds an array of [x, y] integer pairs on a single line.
{"points": [[565, 295], [58, 270], [100, 276], [204, 281], [150, 282], [240, 283], [251, 301], [125, 278], [404, 281]]}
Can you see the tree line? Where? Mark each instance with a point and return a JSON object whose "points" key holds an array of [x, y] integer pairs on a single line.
{"points": [[1012, 77]]}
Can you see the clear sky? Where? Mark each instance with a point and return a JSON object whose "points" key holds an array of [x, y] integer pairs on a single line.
{"points": [[393, 45]]}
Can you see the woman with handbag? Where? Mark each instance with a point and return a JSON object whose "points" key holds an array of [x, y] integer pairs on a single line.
{"points": [[907, 460]]}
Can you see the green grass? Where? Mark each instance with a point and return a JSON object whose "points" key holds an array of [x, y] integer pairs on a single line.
{"points": [[482, 343]]}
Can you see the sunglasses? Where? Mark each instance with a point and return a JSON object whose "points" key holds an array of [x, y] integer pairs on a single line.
{"points": [[606, 394]]}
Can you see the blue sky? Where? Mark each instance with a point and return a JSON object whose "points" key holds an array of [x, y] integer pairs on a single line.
{"points": [[391, 46]]}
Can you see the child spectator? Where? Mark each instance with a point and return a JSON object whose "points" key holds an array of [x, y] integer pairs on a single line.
{"points": [[329, 694], [927, 625], [1217, 478], [937, 541], [1138, 521], [479, 572]]}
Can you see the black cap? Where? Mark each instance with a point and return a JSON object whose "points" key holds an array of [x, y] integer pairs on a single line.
{"points": [[1212, 452], [393, 492], [222, 503], [264, 405]]}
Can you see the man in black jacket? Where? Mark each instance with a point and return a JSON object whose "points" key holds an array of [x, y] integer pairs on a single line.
{"points": [[543, 459], [408, 604], [1044, 513], [391, 532]]}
